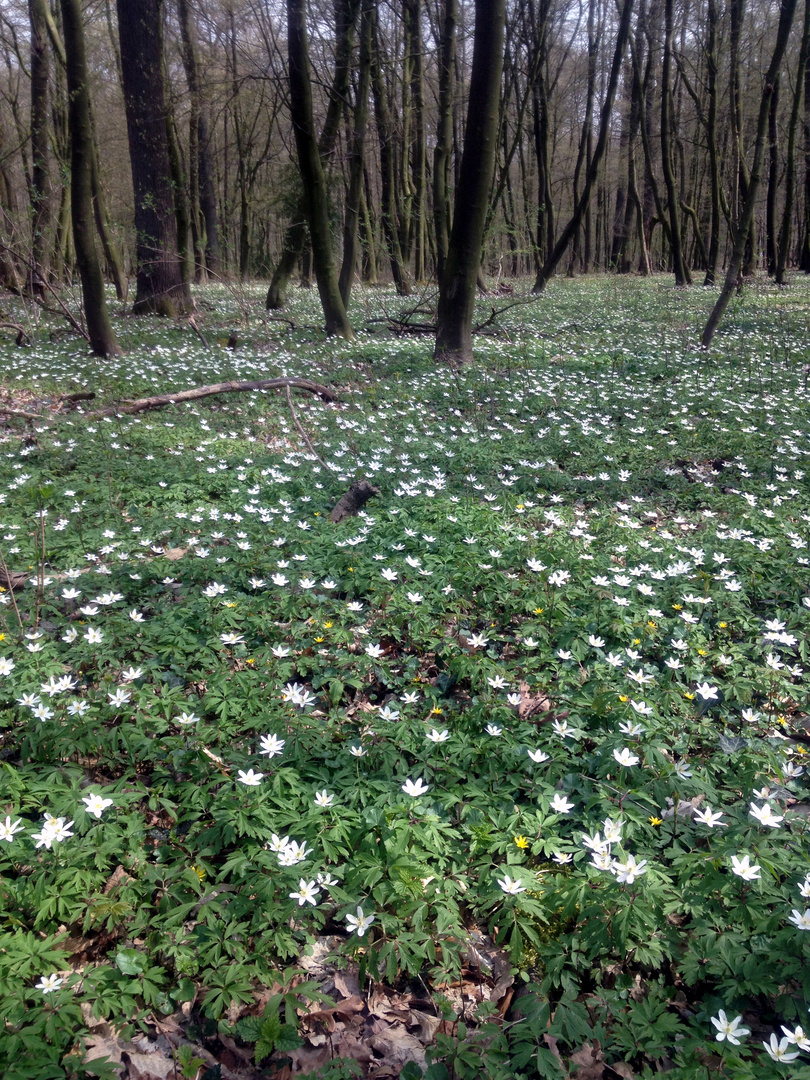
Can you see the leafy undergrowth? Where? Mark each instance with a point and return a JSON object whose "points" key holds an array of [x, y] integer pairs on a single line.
{"points": [[502, 778]]}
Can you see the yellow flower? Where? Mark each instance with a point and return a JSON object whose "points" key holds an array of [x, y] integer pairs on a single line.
{"points": [[2, 637], [651, 624], [521, 842], [622, 697], [636, 640], [250, 661], [722, 625], [318, 640], [232, 604], [688, 696], [655, 820], [198, 870], [800, 750], [351, 569], [327, 626], [538, 611], [436, 711], [701, 652], [519, 506], [677, 607]]}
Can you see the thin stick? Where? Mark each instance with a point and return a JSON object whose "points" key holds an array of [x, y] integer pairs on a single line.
{"points": [[302, 433]]}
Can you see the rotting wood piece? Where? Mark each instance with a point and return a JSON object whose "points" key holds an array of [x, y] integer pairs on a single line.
{"points": [[353, 501]]}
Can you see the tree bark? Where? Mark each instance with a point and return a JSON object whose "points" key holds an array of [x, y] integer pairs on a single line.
{"points": [[160, 289], [312, 174], [82, 151], [786, 11], [458, 283]]}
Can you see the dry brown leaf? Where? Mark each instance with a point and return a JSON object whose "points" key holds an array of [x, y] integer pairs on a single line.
{"points": [[621, 1068], [398, 1047], [531, 704], [589, 1061], [347, 983]]}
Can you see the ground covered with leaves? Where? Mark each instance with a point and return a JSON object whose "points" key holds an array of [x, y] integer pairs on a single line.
{"points": [[503, 778]]}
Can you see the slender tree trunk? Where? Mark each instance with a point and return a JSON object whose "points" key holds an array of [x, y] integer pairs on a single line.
{"points": [[356, 159], [40, 178], [444, 134], [786, 11], [385, 131], [790, 167], [312, 173], [160, 289], [682, 275], [711, 139], [82, 152], [804, 261], [418, 239], [773, 182], [458, 283], [201, 170], [346, 19], [570, 229], [112, 257]]}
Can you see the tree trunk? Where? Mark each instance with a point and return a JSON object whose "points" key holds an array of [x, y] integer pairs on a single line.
{"points": [[312, 174], [444, 135], [773, 182], [82, 151], [570, 229], [786, 12], [790, 167], [682, 275], [357, 159], [711, 139], [458, 282], [201, 170], [160, 288], [346, 19], [385, 131], [40, 179]]}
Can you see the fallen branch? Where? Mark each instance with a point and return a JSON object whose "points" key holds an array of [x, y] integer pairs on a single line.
{"points": [[157, 402], [22, 333]]}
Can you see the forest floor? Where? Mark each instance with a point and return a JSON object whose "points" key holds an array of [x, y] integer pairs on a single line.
{"points": [[503, 777]]}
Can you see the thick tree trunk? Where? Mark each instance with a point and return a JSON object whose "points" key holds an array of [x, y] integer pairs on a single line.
{"points": [[786, 12], [160, 289], [458, 283], [82, 151], [312, 174]]}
